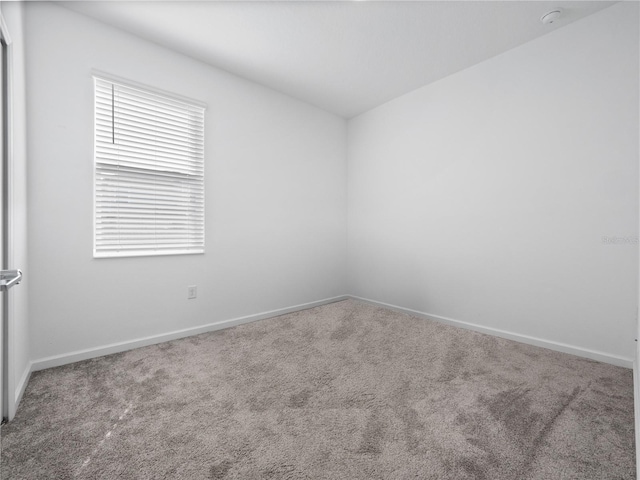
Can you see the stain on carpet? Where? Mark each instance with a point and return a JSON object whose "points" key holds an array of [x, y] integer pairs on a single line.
{"points": [[453, 362], [346, 328], [220, 470], [300, 399], [373, 436]]}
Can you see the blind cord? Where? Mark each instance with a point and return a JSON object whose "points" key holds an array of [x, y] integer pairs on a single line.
{"points": [[113, 116]]}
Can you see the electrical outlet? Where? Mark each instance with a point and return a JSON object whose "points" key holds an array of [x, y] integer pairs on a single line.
{"points": [[192, 292]]}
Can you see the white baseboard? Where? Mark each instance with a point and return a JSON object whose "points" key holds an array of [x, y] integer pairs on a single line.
{"points": [[22, 384], [66, 358], [538, 342], [636, 412]]}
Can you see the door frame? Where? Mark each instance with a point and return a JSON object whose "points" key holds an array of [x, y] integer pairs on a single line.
{"points": [[7, 385]]}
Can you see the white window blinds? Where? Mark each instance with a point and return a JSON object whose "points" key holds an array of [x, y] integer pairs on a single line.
{"points": [[149, 172]]}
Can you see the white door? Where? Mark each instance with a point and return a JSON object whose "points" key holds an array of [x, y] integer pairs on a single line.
{"points": [[8, 278], [3, 164]]}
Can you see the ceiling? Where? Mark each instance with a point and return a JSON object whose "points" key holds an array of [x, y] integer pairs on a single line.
{"points": [[344, 57]]}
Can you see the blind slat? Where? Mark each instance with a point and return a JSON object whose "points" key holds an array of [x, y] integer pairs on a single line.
{"points": [[142, 96], [143, 152], [167, 127], [105, 120], [111, 171], [103, 100], [143, 185], [145, 194], [166, 246], [104, 135]]}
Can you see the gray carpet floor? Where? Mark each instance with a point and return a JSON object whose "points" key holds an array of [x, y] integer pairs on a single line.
{"points": [[342, 391]]}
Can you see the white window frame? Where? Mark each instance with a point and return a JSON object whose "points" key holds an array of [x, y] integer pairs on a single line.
{"points": [[143, 251]]}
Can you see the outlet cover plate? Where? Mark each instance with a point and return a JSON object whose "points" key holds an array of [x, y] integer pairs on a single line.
{"points": [[192, 292]]}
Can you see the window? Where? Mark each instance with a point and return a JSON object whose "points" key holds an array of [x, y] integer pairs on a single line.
{"points": [[149, 172]]}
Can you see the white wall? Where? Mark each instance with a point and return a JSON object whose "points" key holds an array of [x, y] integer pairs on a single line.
{"points": [[485, 197], [275, 196], [19, 348]]}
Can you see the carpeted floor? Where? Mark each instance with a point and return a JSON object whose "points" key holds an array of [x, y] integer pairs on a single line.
{"points": [[342, 391]]}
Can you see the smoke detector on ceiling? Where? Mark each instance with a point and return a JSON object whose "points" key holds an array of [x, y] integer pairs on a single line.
{"points": [[551, 16]]}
